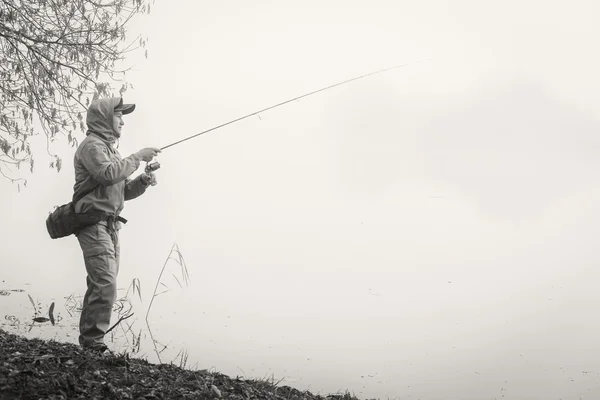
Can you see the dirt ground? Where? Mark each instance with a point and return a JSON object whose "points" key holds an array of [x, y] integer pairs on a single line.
{"points": [[38, 369]]}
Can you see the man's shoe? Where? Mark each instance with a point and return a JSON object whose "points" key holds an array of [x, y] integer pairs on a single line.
{"points": [[101, 350]]}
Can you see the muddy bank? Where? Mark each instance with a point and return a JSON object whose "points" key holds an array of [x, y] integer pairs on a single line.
{"points": [[38, 369]]}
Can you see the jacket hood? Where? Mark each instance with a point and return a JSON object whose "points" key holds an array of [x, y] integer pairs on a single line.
{"points": [[99, 118]]}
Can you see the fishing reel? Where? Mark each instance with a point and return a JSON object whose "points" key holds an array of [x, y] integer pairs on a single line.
{"points": [[151, 167]]}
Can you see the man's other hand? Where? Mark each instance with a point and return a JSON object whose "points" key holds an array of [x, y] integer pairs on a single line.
{"points": [[149, 178]]}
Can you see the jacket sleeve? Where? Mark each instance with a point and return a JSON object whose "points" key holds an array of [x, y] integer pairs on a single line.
{"points": [[134, 188], [107, 172]]}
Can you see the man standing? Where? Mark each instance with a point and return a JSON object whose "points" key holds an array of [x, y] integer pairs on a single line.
{"points": [[104, 176]]}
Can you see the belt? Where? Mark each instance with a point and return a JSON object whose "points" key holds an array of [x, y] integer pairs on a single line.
{"points": [[111, 221]]}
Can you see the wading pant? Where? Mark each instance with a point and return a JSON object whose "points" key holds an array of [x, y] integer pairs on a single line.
{"points": [[100, 246]]}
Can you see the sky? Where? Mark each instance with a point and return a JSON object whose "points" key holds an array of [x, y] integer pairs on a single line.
{"points": [[428, 232]]}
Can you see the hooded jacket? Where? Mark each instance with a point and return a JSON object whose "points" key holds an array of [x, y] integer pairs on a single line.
{"points": [[99, 165]]}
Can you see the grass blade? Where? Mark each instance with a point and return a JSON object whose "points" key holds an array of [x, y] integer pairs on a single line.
{"points": [[51, 313], [33, 304]]}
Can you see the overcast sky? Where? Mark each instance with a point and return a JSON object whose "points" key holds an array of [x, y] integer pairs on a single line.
{"points": [[436, 224]]}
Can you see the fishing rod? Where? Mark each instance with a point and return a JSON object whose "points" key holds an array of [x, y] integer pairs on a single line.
{"points": [[287, 101]]}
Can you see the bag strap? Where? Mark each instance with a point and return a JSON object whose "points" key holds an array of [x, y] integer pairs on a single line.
{"points": [[83, 194]]}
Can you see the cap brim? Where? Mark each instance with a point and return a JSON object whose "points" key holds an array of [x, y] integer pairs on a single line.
{"points": [[126, 108]]}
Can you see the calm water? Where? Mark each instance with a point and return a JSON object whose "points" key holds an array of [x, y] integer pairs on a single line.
{"points": [[393, 342]]}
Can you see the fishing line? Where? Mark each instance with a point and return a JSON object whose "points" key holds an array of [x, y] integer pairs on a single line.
{"points": [[288, 101]]}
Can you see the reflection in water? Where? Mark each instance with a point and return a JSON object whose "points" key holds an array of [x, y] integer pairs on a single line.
{"points": [[125, 335]]}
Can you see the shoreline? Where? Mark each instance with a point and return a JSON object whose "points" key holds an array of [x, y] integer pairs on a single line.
{"points": [[36, 368]]}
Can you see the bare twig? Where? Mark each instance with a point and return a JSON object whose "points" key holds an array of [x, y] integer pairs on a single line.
{"points": [[185, 277], [118, 322], [55, 57]]}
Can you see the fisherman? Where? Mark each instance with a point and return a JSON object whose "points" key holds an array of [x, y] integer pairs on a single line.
{"points": [[104, 175]]}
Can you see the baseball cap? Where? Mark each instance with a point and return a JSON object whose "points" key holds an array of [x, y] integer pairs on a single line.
{"points": [[125, 108]]}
